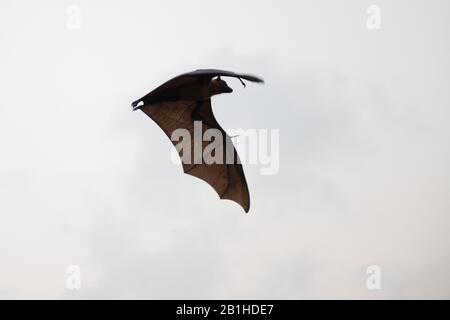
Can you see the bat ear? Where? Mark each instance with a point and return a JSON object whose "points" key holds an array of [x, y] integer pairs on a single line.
{"points": [[218, 78]]}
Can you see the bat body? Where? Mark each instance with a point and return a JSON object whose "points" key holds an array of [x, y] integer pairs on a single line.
{"points": [[184, 103]]}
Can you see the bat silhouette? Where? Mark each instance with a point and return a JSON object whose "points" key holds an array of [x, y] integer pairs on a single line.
{"points": [[184, 102]]}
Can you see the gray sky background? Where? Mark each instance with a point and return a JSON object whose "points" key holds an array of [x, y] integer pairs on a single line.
{"points": [[364, 151]]}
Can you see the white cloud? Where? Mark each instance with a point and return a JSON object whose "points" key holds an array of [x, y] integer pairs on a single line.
{"points": [[363, 152]]}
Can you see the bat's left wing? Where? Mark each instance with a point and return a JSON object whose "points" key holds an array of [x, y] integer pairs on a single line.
{"points": [[227, 178]]}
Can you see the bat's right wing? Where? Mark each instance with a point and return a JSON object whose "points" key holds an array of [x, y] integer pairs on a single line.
{"points": [[211, 73], [227, 178], [168, 90]]}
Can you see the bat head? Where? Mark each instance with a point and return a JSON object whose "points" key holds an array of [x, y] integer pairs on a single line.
{"points": [[217, 86]]}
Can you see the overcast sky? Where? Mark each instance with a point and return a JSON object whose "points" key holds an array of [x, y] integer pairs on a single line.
{"points": [[364, 150]]}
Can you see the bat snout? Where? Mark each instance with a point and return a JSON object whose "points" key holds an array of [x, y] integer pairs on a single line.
{"points": [[225, 88], [228, 89], [218, 86]]}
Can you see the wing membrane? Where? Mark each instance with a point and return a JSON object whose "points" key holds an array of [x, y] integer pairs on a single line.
{"points": [[227, 179]]}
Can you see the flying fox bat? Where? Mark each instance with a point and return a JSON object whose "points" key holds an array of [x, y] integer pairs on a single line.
{"points": [[185, 101]]}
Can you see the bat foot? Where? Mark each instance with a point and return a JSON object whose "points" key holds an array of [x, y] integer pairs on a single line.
{"points": [[243, 83]]}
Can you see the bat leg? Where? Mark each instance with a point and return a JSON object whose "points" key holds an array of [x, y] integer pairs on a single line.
{"points": [[243, 83]]}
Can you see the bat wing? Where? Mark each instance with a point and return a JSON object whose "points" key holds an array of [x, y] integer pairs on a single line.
{"points": [[202, 76], [227, 178], [211, 73]]}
